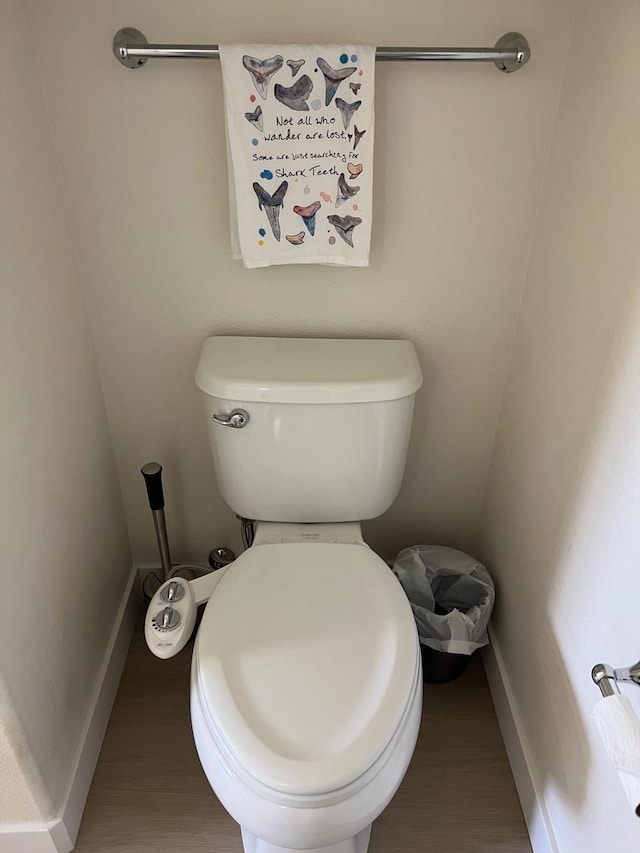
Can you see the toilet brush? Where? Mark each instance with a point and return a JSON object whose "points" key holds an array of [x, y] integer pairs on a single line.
{"points": [[218, 558], [152, 473]]}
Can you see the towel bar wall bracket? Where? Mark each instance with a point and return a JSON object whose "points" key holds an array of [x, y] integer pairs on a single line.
{"points": [[510, 53]]}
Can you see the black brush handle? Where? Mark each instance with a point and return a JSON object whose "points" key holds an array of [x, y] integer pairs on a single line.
{"points": [[152, 473]]}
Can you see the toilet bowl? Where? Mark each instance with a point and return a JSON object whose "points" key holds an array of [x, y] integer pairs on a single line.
{"points": [[306, 693]]}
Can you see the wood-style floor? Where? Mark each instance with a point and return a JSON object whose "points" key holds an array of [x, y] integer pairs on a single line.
{"points": [[149, 793]]}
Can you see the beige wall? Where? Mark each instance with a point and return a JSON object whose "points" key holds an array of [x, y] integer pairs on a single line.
{"points": [[65, 555], [22, 798], [460, 152], [563, 504]]}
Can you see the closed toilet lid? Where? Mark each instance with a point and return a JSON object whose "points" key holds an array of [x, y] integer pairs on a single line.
{"points": [[305, 663]]}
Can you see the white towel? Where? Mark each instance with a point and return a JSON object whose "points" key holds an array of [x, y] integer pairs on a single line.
{"points": [[299, 121], [619, 728]]}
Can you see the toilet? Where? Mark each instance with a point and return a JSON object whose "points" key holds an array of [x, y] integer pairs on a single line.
{"points": [[306, 686]]}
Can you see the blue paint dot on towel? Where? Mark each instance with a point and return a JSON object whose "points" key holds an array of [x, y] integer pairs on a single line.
{"points": [[254, 141], [354, 57], [261, 232], [267, 174], [315, 105], [344, 59]]}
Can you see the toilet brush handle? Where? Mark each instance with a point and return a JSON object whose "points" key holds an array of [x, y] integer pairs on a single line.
{"points": [[152, 473]]}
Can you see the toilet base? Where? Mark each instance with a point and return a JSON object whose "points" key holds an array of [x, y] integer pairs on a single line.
{"points": [[357, 844]]}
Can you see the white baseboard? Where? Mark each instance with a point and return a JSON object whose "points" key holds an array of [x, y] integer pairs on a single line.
{"points": [[59, 835], [518, 751], [28, 838], [98, 719]]}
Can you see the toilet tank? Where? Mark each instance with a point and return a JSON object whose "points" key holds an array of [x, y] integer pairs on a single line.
{"points": [[328, 428]]}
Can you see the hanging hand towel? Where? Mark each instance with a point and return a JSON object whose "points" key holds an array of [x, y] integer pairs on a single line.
{"points": [[299, 121]]}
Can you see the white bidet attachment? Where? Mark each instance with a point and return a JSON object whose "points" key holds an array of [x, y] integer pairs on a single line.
{"points": [[171, 616]]}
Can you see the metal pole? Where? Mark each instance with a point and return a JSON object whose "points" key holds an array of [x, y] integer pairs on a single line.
{"points": [[510, 53], [152, 473]]}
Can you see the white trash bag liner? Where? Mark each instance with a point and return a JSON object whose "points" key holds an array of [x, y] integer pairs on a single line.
{"points": [[451, 595]]}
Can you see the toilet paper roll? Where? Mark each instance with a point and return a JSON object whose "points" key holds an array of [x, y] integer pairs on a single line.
{"points": [[619, 728], [631, 786]]}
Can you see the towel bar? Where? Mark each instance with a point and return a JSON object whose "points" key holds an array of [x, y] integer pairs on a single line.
{"points": [[607, 678], [510, 53]]}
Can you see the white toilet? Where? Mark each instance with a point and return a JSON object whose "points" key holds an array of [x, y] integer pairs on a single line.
{"points": [[306, 687]]}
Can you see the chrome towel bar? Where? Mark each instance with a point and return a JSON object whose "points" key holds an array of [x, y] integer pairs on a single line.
{"points": [[607, 678], [510, 53]]}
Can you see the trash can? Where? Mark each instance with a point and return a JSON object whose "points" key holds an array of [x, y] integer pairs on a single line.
{"points": [[451, 595]]}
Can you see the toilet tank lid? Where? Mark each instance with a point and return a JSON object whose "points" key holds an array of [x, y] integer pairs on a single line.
{"points": [[307, 370]]}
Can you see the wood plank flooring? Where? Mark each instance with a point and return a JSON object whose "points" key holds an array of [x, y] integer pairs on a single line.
{"points": [[149, 793]]}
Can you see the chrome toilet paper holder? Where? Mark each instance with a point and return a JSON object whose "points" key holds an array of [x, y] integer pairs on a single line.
{"points": [[607, 678]]}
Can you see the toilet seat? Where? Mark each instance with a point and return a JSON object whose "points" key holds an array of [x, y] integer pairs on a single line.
{"points": [[305, 664]]}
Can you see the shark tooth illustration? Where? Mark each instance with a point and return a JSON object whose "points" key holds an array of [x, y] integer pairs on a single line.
{"points": [[347, 111], [344, 226], [345, 192], [354, 171], [333, 77], [296, 239], [308, 215], [295, 97], [272, 205], [295, 65], [255, 118], [358, 136], [261, 70], [355, 87]]}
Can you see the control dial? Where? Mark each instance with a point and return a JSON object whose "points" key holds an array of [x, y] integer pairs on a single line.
{"points": [[173, 592], [168, 618]]}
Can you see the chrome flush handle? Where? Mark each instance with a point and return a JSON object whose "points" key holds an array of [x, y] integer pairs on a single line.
{"points": [[237, 419]]}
